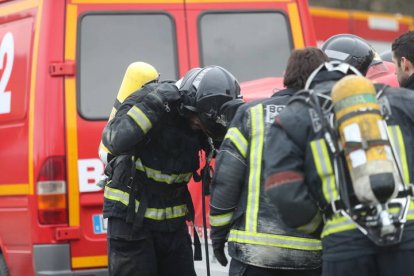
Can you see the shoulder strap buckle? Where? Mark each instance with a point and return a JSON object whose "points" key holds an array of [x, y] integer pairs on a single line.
{"points": [[336, 206]]}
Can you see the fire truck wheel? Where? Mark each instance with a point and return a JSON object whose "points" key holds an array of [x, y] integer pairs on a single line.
{"points": [[3, 267]]}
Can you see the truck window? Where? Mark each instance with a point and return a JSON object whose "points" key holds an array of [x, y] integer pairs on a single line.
{"points": [[108, 43], [249, 44]]}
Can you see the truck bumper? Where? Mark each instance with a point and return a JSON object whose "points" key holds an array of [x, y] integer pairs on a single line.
{"points": [[54, 259]]}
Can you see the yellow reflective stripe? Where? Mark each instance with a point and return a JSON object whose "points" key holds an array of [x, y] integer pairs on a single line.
{"points": [[255, 165], [397, 141], [161, 177], [117, 195], [221, 220], [237, 138], [312, 225], [410, 214], [176, 211], [274, 240], [167, 213], [103, 153], [151, 213], [324, 169], [139, 166], [140, 119], [337, 223], [105, 149]]}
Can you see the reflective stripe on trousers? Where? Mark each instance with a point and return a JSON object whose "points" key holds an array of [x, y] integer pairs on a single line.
{"points": [[151, 213]]}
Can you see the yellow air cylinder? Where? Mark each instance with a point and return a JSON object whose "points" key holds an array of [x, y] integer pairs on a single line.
{"points": [[136, 75], [364, 139]]}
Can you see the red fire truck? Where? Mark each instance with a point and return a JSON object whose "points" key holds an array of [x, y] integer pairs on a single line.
{"points": [[380, 29], [61, 64]]}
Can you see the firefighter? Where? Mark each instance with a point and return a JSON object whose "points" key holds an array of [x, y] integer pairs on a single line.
{"points": [[357, 52], [155, 136], [302, 180], [240, 213], [403, 58]]}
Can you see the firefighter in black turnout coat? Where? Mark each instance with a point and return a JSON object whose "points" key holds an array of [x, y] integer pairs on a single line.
{"points": [[155, 138], [304, 176], [240, 213]]}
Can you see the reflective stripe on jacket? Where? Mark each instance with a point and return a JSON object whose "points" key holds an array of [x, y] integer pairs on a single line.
{"points": [[166, 153], [239, 207]]}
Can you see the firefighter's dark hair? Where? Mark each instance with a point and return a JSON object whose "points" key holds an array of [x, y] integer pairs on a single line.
{"points": [[301, 63], [403, 46]]}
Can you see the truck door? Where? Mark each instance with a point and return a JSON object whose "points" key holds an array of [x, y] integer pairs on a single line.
{"points": [[102, 39]]}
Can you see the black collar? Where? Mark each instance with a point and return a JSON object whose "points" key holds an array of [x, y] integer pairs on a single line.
{"points": [[409, 83], [287, 91]]}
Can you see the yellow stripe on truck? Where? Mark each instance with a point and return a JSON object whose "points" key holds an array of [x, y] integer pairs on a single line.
{"points": [[18, 7], [33, 83], [71, 117], [126, 2], [239, 1], [90, 261], [164, 1], [296, 25], [14, 189]]}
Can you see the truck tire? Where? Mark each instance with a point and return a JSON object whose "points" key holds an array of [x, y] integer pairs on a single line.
{"points": [[3, 266]]}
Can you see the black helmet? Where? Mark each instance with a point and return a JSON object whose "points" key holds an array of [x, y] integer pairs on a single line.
{"points": [[207, 90], [350, 49]]}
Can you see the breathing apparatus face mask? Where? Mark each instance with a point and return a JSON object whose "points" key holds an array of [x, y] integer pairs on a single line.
{"points": [[228, 111], [209, 111]]}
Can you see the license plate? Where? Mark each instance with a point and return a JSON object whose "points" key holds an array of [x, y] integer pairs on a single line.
{"points": [[100, 225]]}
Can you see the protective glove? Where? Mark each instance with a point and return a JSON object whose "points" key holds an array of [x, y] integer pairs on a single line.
{"points": [[218, 249], [168, 94]]}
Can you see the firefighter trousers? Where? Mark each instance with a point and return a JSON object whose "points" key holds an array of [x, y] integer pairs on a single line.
{"points": [[146, 252], [238, 268], [384, 263]]}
